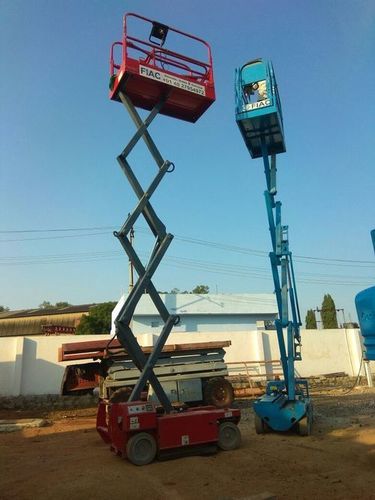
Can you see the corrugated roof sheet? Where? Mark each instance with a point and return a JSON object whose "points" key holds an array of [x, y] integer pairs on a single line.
{"points": [[27, 313], [10, 327]]}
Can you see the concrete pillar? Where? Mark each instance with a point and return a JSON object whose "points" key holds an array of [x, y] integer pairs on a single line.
{"points": [[16, 388], [355, 351]]}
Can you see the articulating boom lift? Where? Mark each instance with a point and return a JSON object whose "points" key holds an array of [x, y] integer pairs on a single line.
{"points": [[286, 404], [160, 80]]}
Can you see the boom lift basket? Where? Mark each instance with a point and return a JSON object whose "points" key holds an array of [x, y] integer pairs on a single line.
{"points": [[148, 71], [258, 108]]}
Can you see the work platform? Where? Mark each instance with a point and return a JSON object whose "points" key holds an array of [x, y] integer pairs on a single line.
{"points": [[258, 109], [148, 72]]}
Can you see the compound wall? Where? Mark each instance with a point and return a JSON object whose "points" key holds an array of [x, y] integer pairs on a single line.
{"points": [[29, 365]]}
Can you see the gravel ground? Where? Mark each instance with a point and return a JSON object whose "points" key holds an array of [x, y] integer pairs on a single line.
{"points": [[68, 459]]}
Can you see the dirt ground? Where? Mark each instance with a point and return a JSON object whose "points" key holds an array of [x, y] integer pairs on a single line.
{"points": [[67, 459]]}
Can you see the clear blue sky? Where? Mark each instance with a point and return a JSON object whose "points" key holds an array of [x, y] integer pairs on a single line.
{"points": [[60, 136]]}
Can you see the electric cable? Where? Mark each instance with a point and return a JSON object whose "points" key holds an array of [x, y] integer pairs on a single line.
{"points": [[186, 239], [356, 380]]}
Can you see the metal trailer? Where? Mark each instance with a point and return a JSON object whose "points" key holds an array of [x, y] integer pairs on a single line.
{"points": [[287, 403], [191, 373], [161, 80]]}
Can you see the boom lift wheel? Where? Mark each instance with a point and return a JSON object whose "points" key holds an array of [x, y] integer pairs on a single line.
{"points": [[304, 426], [229, 436], [141, 449], [218, 392], [260, 426]]}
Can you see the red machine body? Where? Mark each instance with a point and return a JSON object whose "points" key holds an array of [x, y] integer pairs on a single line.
{"points": [[181, 431], [147, 72]]}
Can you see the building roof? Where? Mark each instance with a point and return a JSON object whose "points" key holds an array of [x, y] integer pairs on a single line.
{"points": [[27, 313], [31, 321], [217, 304]]}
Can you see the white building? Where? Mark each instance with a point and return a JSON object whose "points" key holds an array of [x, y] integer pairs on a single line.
{"points": [[203, 312]]}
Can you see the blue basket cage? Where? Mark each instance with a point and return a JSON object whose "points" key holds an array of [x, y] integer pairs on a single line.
{"points": [[258, 108]]}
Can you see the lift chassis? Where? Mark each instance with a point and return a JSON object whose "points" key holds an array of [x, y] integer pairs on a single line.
{"points": [[287, 402]]}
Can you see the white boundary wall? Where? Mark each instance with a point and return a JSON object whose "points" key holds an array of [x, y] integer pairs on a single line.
{"points": [[29, 365]]}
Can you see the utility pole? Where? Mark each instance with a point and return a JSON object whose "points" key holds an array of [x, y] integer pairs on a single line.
{"points": [[343, 315], [317, 310]]}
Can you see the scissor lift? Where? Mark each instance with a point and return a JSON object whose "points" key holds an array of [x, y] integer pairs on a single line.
{"points": [[160, 80], [286, 404]]}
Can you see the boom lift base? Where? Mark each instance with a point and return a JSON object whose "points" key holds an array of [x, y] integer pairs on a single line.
{"points": [[275, 411]]}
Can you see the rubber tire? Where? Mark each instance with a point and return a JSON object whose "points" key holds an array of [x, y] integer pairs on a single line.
{"points": [[121, 395], [141, 449], [218, 392], [259, 425], [229, 436], [304, 425]]}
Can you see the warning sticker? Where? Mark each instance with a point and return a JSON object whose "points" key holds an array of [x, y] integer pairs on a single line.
{"points": [[174, 81], [134, 423], [185, 440]]}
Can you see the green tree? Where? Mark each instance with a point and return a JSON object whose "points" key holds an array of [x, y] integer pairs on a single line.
{"points": [[328, 312], [3, 309], [46, 305], [61, 305], [97, 321], [201, 289], [310, 320]]}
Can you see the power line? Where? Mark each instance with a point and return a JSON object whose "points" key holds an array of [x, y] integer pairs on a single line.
{"points": [[263, 253], [221, 246], [181, 262], [56, 230], [54, 237]]}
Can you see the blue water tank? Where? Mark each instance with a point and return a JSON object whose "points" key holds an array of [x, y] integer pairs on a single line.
{"points": [[365, 304]]}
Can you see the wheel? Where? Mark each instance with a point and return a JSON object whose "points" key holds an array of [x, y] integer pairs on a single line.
{"points": [[121, 395], [229, 436], [304, 426], [218, 392], [141, 449], [259, 424]]}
